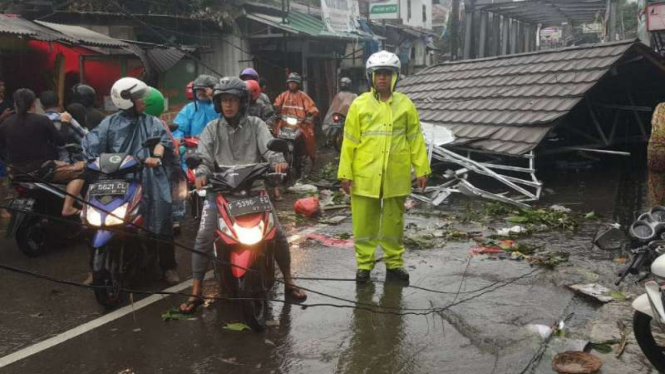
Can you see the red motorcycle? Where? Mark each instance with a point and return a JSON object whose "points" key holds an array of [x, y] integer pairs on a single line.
{"points": [[245, 245], [196, 197]]}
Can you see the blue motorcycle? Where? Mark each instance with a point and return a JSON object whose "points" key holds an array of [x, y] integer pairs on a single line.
{"points": [[112, 210]]}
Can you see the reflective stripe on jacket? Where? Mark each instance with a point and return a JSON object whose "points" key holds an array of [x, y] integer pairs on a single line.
{"points": [[383, 141]]}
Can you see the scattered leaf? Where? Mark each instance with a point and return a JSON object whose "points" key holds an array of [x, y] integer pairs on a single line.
{"points": [[174, 314], [37, 315], [602, 348], [272, 323], [236, 327], [517, 219], [591, 215], [269, 342], [231, 361], [616, 295], [137, 329]]}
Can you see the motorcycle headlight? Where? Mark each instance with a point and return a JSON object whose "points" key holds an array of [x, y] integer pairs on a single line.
{"points": [[93, 217], [292, 121], [117, 216], [249, 236]]}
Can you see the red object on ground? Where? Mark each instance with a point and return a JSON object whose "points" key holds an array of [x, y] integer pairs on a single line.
{"points": [[491, 250], [308, 207]]}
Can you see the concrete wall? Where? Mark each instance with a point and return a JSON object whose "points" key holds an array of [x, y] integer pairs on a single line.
{"points": [[416, 19], [225, 55]]}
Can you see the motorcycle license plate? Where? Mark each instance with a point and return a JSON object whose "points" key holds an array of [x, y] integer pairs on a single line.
{"points": [[248, 206], [288, 135], [108, 188], [22, 204]]}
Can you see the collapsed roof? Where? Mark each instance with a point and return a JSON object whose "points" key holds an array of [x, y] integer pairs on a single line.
{"points": [[506, 105]]}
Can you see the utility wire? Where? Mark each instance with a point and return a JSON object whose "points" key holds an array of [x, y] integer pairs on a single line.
{"points": [[354, 304]]}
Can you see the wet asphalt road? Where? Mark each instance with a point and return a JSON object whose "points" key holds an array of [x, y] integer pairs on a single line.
{"points": [[482, 334]]}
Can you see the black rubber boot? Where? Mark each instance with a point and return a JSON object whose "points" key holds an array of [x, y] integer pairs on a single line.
{"points": [[398, 274], [362, 276]]}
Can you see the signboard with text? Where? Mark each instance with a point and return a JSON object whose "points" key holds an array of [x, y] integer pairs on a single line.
{"points": [[340, 15], [383, 9]]}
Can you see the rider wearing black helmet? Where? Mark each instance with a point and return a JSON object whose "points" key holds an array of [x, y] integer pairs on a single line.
{"points": [[233, 139], [82, 106]]}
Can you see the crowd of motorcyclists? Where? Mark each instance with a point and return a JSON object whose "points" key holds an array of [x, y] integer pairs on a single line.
{"points": [[232, 120], [33, 145]]}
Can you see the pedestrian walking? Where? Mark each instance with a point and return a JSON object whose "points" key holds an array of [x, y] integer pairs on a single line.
{"points": [[383, 142]]}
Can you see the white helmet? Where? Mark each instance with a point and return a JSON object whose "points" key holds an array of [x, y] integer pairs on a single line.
{"points": [[382, 60], [127, 90]]}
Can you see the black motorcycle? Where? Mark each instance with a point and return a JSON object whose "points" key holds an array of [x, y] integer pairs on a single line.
{"points": [[36, 221], [337, 130], [646, 243]]}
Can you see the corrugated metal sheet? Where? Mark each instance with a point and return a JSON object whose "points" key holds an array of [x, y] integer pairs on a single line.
{"points": [[508, 104], [81, 35], [302, 23], [14, 24]]}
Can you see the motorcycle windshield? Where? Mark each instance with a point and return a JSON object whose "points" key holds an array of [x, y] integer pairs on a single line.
{"points": [[237, 178]]}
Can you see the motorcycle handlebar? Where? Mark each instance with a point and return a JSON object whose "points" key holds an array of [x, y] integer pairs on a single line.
{"points": [[633, 268]]}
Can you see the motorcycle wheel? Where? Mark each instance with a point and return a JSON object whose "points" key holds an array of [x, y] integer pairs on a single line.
{"points": [[337, 141], [255, 313], [31, 237], [107, 282], [643, 327]]}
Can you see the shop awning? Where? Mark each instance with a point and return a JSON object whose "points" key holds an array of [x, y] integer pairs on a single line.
{"points": [[83, 36], [303, 24]]}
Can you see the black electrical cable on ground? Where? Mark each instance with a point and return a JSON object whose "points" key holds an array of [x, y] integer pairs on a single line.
{"points": [[354, 305]]}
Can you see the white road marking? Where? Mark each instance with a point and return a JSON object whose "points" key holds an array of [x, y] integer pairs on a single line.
{"points": [[112, 316]]}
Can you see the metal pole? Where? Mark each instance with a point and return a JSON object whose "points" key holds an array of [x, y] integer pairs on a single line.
{"points": [[468, 33], [482, 45], [454, 30], [513, 36], [505, 35], [496, 35]]}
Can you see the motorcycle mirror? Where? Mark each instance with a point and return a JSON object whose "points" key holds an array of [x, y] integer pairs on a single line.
{"points": [[173, 127], [611, 239], [278, 145]]}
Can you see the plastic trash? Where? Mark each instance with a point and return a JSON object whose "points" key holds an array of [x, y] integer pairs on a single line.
{"points": [[303, 188], [308, 207]]}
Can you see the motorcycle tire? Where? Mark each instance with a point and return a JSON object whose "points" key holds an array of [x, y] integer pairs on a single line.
{"points": [[31, 237], [107, 282], [337, 141], [255, 313], [645, 339]]}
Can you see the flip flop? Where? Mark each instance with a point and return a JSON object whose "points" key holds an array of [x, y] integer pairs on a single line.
{"points": [[293, 292], [191, 306], [76, 212]]}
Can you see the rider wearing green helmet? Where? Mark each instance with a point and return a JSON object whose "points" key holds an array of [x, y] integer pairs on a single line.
{"points": [[154, 102]]}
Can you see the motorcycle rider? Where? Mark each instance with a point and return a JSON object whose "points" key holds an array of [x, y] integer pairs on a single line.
{"points": [[125, 132], [383, 141], [194, 116], [251, 74], [29, 142], [258, 108], [297, 103], [340, 104], [73, 133], [82, 106], [233, 139]]}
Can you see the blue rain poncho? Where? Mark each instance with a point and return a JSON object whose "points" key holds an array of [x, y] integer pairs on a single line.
{"points": [[125, 132], [193, 118]]}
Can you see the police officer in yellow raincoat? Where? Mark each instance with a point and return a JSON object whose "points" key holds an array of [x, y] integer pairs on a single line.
{"points": [[383, 142]]}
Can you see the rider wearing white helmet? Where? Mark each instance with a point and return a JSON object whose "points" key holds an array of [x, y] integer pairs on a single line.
{"points": [[383, 142], [125, 132]]}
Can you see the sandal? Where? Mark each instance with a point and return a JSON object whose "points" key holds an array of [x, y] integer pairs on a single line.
{"points": [[76, 212], [192, 304], [294, 292]]}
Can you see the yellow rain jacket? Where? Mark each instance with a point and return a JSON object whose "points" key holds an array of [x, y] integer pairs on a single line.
{"points": [[383, 141]]}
